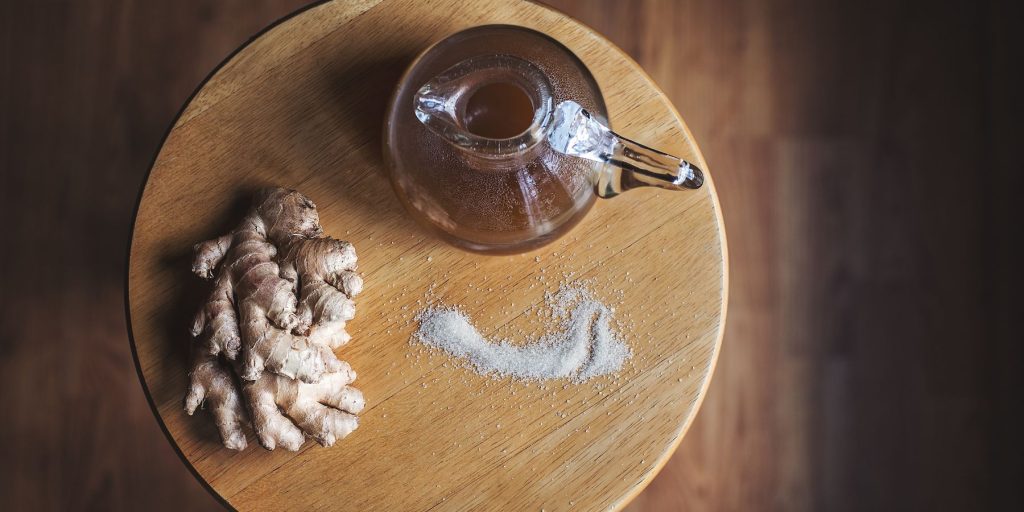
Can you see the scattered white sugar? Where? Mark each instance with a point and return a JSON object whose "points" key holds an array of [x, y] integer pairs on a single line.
{"points": [[582, 344]]}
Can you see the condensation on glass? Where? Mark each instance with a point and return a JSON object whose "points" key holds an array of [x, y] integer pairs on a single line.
{"points": [[497, 139]]}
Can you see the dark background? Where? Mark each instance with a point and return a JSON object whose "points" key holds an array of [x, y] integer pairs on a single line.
{"points": [[866, 156]]}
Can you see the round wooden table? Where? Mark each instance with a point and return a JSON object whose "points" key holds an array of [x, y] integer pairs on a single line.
{"points": [[301, 106]]}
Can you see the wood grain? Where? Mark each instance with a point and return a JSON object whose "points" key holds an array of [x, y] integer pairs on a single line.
{"points": [[302, 107], [832, 406]]}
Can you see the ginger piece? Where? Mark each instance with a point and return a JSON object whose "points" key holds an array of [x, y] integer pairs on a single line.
{"points": [[217, 323], [249, 279], [285, 411], [212, 383], [325, 267], [282, 352]]}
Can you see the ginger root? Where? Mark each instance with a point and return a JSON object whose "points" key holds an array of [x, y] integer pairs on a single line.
{"points": [[284, 409], [274, 257], [281, 297]]}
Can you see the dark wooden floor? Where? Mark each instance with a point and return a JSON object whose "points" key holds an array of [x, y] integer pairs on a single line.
{"points": [[866, 159]]}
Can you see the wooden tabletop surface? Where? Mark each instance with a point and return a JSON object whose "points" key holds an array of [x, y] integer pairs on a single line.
{"points": [[302, 107]]}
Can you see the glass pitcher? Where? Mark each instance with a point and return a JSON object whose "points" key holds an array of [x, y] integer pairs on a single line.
{"points": [[497, 139]]}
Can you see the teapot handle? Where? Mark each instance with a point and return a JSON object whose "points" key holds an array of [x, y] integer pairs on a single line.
{"points": [[575, 132]]}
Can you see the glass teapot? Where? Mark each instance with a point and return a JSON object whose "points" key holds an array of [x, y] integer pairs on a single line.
{"points": [[497, 139]]}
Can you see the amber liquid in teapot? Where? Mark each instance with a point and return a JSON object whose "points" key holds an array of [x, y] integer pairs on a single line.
{"points": [[498, 111]]}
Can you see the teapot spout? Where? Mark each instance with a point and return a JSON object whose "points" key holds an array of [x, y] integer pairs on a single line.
{"points": [[449, 105], [575, 132], [435, 106]]}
